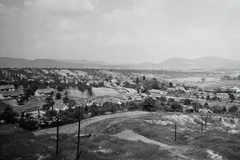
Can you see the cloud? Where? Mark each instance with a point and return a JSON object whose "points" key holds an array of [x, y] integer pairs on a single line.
{"points": [[44, 45], [66, 7], [120, 40], [8, 12]]}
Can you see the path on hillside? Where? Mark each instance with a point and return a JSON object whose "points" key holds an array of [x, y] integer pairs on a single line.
{"points": [[72, 128], [130, 135]]}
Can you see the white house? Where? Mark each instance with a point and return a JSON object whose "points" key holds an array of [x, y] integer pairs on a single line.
{"points": [[43, 92]]}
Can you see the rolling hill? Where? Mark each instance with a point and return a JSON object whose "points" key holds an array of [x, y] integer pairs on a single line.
{"points": [[172, 63]]}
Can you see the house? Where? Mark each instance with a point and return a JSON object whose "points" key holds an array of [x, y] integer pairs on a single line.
{"points": [[157, 93], [205, 95], [235, 89], [11, 94], [60, 106], [43, 92], [7, 88], [222, 95]]}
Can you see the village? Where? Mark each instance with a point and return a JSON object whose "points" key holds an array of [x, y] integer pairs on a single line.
{"points": [[41, 92]]}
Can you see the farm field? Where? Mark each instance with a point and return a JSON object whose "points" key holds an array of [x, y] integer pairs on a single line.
{"points": [[77, 93], [192, 79], [97, 92], [28, 106], [209, 83], [216, 84], [102, 91]]}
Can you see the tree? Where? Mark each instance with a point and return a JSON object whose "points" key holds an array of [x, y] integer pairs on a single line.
{"points": [[170, 84], [49, 100], [231, 96], [137, 80], [60, 87], [46, 107], [163, 99], [51, 113], [144, 78], [58, 95], [176, 107], [238, 77], [82, 87], [233, 109], [65, 99], [8, 115], [208, 97], [203, 79], [149, 104], [218, 109], [186, 101], [72, 103]]}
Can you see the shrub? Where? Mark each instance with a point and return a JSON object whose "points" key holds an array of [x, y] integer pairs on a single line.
{"points": [[8, 115], [149, 104], [233, 109]]}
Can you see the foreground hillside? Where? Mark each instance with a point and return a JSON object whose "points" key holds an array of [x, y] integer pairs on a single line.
{"points": [[131, 135]]}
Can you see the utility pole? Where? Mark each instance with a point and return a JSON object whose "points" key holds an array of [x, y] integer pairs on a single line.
{"points": [[206, 122], [202, 125], [175, 131], [57, 152], [78, 154]]}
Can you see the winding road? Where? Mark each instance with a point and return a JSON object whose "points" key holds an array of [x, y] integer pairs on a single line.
{"points": [[73, 128]]}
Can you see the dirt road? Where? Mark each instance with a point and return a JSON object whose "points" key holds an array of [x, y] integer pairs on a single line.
{"points": [[72, 128]]}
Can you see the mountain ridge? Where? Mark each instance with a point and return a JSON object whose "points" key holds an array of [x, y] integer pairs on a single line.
{"points": [[172, 63]]}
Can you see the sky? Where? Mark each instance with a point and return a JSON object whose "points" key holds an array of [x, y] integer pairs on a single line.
{"points": [[120, 31]]}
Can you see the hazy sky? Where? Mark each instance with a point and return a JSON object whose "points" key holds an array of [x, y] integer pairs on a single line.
{"points": [[121, 31]]}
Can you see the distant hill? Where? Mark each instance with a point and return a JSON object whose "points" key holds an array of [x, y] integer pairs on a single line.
{"points": [[173, 63], [6, 62], [82, 61], [200, 63]]}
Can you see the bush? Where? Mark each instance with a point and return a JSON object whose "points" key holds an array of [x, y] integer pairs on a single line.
{"points": [[233, 109], [8, 115], [58, 95], [149, 104], [219, 109]]}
